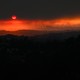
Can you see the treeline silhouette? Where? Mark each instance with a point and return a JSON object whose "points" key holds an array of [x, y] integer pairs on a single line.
{"points": [[58, 58]]}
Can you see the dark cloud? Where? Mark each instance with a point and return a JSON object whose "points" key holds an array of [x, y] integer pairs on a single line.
{"points": [[39, 9]]}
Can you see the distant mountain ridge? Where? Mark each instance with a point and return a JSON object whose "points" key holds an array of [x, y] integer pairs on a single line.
{"points": [[57, 35], [23, 32], [42, 35]]}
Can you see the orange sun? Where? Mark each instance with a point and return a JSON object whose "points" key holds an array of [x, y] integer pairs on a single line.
{"points": [[13, 17]]}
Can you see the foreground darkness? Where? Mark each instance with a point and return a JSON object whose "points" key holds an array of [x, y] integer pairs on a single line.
{"points": [[24, 57]]}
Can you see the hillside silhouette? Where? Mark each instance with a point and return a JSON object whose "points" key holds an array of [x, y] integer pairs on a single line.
{"points": [[48, 57]]}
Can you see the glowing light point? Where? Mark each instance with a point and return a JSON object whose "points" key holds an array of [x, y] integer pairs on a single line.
{"points": [[13, 17]]}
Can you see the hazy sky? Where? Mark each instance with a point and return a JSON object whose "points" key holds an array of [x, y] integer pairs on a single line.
{"points": [[39, 9], [40, 14]]}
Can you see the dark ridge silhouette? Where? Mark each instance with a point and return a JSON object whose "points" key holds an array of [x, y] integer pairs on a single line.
{"points": [[24, 32], [43, 34]]}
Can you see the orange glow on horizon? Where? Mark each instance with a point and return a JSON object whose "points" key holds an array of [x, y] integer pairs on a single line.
{"points": [[49, 25]]}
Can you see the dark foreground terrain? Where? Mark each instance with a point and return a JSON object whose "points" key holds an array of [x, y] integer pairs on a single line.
{"points": [[26, 58]]}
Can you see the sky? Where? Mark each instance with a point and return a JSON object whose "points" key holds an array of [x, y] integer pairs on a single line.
{"points": [[40, 14], [39, 9]]}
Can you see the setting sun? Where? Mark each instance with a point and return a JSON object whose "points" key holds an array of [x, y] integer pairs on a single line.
{"points": [[14, 17]]}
